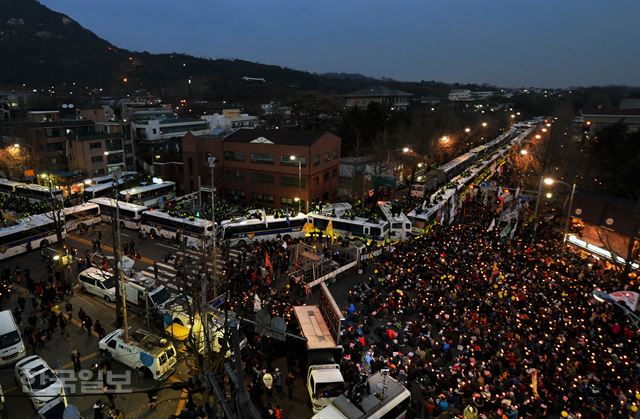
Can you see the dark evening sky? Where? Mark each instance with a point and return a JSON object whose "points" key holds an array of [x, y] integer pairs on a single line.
{"points": [[502, 42]]}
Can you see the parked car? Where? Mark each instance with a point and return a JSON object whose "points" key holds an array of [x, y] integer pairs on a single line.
{"points": [[38, 381]]}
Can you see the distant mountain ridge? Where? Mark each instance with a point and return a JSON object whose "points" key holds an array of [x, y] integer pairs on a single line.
{"points": [[41, 47]]}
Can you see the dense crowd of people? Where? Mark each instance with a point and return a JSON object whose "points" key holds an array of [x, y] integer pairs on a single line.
{"points": [[473, 319]]}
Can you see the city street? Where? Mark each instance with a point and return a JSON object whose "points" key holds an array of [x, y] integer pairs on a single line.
{"points": [[57, 351]]}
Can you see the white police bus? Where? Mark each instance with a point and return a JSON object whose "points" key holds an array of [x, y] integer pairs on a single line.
{"points": [[37, 193], [197, 231], [37, 231], [8, 187], [108, 179], [102, 189], [81, 216], [245, 230], [356, 227], [130, 214], [155, 194]]}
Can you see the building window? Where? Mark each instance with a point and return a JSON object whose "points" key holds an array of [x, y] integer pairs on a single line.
{"points": [[291, 181], [96, 159], [263, 198], [155, 131], [327, 156], [262, 158], [234, 155], [55, 147], [235, 194], [128, 148], [286, 161], [316, 180], [261, 178], [334, 172], [291, 202], [233, 175], [95, 145], [129, 161], [316, 159], [336, 154], [325, 176]]}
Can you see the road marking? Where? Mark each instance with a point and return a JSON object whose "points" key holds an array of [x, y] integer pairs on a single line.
{"points": [[182, 402], [108, 248], [167, 246]]}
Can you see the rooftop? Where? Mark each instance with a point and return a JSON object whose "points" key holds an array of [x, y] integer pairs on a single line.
{"points": [[377, 91], [606, 211], [611, 112], [280, 137]]}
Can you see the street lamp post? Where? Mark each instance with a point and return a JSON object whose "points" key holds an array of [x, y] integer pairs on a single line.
{"points": [[121, 298], [550, 181], [293, 158], [203, 290], [547, 181]]}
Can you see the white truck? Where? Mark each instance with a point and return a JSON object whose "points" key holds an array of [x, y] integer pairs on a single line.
{"points": [[379, 397], [149, 355], [324, 380]]}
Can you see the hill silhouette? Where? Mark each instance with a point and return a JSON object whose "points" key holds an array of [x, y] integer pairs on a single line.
{"points": [[42, 48]]}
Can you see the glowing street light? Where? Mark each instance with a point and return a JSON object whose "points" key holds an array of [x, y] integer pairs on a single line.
{"points": [[549, 195], [524, 152], [406, 150], [538, 136], [106, 153], [513, 116], [544, 130], [548, 181], [445, 139], [484, 125], [294, 158], [467, 130], [16, 145]]}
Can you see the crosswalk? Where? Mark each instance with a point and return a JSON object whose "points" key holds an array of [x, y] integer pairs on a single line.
{"points": [[168, 275]]}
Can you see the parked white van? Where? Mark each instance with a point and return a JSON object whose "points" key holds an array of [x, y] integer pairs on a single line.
{"points": [[99, 283], [11, 344], [148, 354]]}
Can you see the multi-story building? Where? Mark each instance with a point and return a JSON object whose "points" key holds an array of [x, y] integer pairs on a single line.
{"points": [[68, 149], [230, 119], [255, 166], [390, 98]]}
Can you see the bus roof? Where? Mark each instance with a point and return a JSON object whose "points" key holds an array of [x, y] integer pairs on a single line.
{"points": [[194, 221], [251, 221], [356, 220], [138, 189], [458, 160], [11, 182], [112, 203], [40, 188], [79, 208], [314, 328], [102, 186], [107, 179], [26, 223]]}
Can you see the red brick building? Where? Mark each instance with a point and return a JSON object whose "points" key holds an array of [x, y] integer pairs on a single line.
{"points": [[255, 166]]}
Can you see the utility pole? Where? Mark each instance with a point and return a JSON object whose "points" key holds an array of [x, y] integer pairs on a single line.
{"points": [[115, 221], [119, 275]]}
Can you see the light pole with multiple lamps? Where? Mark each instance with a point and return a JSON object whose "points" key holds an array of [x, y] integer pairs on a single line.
{"points": [[294, 158], [550, 181]]}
